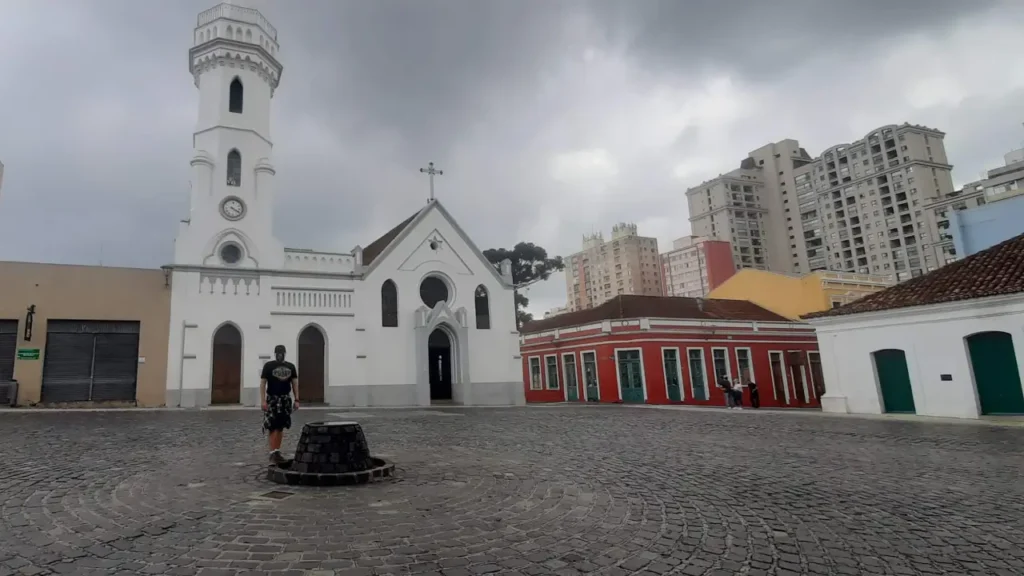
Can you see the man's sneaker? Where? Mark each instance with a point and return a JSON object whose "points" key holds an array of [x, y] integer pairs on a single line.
{"points": [[276, 457]]}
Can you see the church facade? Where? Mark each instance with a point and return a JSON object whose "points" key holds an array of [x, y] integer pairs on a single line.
{"points": [[415, 317]]}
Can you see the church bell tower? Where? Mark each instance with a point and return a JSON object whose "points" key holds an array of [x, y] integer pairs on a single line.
{"points": [[234, 63]]}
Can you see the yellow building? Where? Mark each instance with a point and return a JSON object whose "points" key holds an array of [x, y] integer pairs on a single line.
{"points": [[793, 296], [83, 334]]}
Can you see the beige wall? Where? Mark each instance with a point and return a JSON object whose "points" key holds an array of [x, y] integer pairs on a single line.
{"points": [[88, 293]]}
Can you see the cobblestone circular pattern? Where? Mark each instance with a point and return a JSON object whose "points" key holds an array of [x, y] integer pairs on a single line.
{"points": [[606, 490], [283, 474]]}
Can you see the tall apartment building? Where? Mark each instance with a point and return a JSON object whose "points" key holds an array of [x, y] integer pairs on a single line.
{"points": [[997, 184], [626, 264], [860, 207], [695, 266], [751, 207]]}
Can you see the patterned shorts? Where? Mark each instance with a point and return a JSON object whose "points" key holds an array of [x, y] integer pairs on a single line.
{"points": [[278, 415]]}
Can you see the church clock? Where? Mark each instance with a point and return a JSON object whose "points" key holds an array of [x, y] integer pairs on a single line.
{"points": [[232, 208]]}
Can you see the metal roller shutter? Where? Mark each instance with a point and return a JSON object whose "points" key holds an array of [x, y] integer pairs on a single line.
{"points": [[67, 368], [8, 348], [90, 361], [115, 366]]}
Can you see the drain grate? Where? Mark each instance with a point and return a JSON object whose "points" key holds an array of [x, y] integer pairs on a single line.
{"points": [[277, 495]]}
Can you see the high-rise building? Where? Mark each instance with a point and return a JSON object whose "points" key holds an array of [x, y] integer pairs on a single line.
{"points": [[626, 264], [751, 207], [995, 185], [695, 266], [860, 207]]}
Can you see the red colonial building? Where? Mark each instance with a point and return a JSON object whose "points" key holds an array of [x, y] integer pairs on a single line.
{"points": [[670, 350]]}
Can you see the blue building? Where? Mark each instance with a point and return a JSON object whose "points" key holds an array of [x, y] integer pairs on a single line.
{"points": [[981, 227], [981, 215]]}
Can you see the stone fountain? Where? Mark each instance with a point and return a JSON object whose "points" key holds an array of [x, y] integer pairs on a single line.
{"points": [[331, 454]]}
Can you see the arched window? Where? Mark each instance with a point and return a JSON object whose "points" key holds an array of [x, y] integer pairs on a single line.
{"points": [[235, 94], [234, 168], [389, 305], [483, 308]]}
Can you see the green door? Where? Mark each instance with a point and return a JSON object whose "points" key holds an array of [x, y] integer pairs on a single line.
{"points": [[894, 380], [670, 357], [630, 376], [590, 376], [996, 373], [700, 388], [572, 393]]}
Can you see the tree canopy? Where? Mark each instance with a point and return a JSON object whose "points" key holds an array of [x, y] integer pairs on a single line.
{"points": [[530, 264]]}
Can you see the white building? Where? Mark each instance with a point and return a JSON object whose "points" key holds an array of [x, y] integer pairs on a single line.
{"points": [[418, 315], [949, 343]]}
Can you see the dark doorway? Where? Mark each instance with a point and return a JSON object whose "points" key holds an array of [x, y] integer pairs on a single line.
{"points": [[226, 385], [312, 365], [439, 354], [894, 381], [996, 375]]}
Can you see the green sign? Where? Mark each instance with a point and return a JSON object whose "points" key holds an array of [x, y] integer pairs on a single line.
{"points": [[28, 353]]}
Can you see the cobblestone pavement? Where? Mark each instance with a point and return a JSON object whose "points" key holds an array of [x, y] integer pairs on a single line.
{"points": [[609, 490]]}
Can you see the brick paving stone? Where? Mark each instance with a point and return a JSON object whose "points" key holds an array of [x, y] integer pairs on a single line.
{"points": [[599, 490]]}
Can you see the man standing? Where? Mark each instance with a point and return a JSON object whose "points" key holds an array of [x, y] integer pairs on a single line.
{"points": [[726, 386], [737, 394], [278, 385], [755, 395]]}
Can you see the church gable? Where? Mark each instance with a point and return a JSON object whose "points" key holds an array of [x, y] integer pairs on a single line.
{"points": [[432, 237], [434, 251]]}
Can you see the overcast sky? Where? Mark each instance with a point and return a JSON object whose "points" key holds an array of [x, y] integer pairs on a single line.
{"points": [[551, 119]]}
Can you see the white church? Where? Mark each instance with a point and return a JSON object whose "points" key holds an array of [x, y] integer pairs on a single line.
{"points": [[418, 316]]}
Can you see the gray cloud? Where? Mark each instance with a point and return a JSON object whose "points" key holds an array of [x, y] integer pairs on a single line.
{"points": [[550, 119]]}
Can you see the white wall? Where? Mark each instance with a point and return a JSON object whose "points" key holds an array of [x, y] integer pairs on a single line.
{"points": [[932, 338], [407, 264]]}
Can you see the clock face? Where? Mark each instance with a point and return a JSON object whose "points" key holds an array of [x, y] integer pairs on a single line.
{"points": [[232, 209]]}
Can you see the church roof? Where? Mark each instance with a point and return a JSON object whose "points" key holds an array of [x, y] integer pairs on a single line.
{"points": [[380, 247], [377, 247], [633, 306], [996, 271]]}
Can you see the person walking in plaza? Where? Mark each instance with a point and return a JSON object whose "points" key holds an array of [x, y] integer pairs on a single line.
{"points": [[279, 385], [726, 386], [755, 396], [737, 394]]}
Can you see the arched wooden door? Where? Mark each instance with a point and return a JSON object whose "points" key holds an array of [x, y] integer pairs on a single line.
{"points": [[996, 374], [894, 381], [226, 381], [312, 365]]}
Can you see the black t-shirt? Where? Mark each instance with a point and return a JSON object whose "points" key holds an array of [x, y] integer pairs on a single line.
{"points": [[279, 376]]}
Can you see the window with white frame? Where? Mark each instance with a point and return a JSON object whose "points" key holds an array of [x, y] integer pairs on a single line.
{"points": [[552, 374], [720, 361], [745, 365], [535, 374]]}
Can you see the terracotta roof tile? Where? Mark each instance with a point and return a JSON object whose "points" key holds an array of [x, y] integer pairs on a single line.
{"points": [[375, 248], [996, 271], [631, 306]]}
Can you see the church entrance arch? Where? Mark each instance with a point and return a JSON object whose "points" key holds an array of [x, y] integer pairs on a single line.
{"points": [[226, 378], [312, 365], [441, 363]]}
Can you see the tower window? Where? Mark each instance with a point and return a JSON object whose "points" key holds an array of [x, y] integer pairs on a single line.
{"points": [[235, 96], [234, 168]]}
